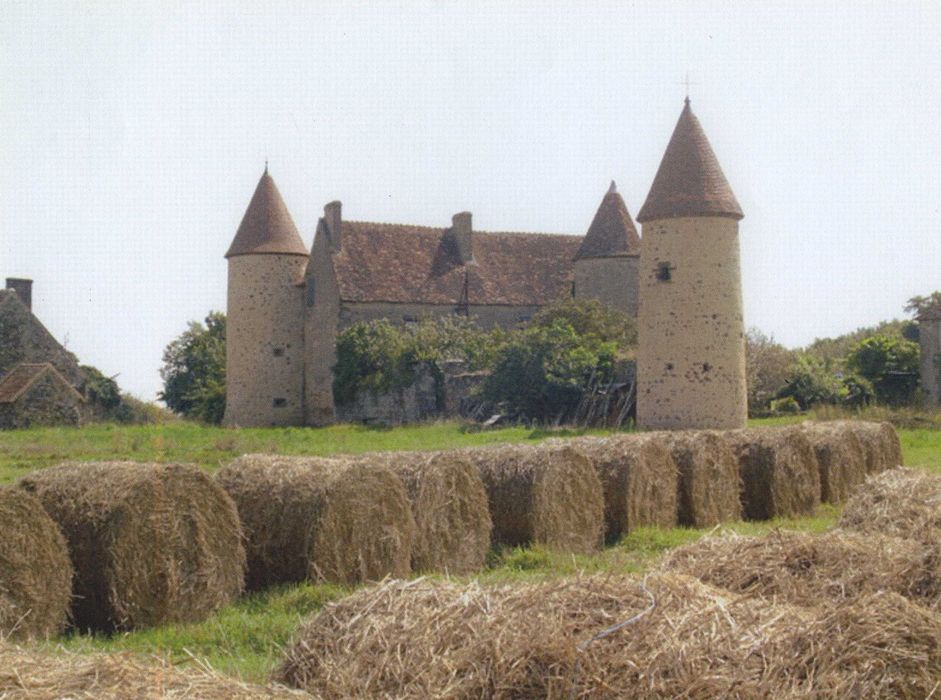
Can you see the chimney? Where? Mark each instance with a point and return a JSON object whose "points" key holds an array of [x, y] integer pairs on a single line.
{"points": [[461, 230], [23, 289], [333, 220]]}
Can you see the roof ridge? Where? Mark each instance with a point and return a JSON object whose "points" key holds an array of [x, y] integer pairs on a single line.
{"points": [[441, 229], [34, 371]]}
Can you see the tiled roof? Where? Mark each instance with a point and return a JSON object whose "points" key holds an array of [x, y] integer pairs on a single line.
{"points": [[19, 379], [417, 264], [690, 181], [267, 227], [612, 231]]}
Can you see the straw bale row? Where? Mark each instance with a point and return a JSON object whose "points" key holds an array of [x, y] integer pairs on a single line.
{"points": [[901, 502], [35, 572], [547, 493], [313, 518], [34, 675], [149, 543], [678, 638], [808, 570]]}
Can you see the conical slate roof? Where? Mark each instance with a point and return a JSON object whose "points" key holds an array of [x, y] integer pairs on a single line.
{"points": [[612, 231], [267, 227], [690, 181]]}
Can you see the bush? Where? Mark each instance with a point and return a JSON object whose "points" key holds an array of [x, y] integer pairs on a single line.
{"points": [[544, 371], [193, 371], [891, 366], [768, 366], [810, 382]]}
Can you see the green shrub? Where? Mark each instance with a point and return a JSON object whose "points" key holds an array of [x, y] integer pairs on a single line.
{"points": [[890, 364], [193, 371]]}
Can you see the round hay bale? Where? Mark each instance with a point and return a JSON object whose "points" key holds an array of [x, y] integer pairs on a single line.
{"points": [[708, 487], [880, 443], [29, 674], [150, 543], [808, 570], [424, 639], [35, 571], [901, 502], [449, 504], [840, 458], [319, 519], [639, 478], [779, 473], [548, 494]]}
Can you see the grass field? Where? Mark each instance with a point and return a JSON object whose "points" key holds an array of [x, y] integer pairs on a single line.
{"points": [[246, 638]]}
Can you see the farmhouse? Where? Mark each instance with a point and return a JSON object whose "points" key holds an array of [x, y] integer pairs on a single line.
{"points": [[286, 304], [40, 381]]}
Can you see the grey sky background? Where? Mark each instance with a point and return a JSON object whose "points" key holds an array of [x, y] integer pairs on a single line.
{"points": [[132, 136]]}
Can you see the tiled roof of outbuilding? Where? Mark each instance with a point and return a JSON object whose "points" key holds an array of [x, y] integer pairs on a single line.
{"points": [[19, 379], [690, 181], [267, 227], [612, 232], [417, 264]]}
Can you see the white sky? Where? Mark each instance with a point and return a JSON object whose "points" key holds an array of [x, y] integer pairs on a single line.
{"points": [[132, 136]]}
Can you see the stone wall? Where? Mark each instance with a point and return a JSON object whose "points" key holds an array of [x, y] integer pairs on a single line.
{"points": [[691, 355], [930, 341], [612, 281], [321, 312], [486, 316], [47, 402], [265, 341]]}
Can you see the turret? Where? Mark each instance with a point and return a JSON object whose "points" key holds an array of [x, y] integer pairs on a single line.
{"points": [[264, 325], [607, 261], [691, 355]]}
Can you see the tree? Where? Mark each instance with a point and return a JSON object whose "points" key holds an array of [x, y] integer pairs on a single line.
{"points": [[544, 370], [768, 365], [890, 365], [193, 371], [810, 382], [918, 305]]}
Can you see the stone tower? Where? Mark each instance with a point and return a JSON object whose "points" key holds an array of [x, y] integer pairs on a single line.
{"points": [[606, 264], [264, 328], [691, 357]]}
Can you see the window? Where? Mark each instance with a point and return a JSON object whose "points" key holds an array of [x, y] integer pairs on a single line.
{"points": [[664, 272], [706, 367], [279, 352], [669, 366], [280, 403], [310, 292]]}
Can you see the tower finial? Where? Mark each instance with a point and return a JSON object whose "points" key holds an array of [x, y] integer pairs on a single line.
{"points": [[266, 165], [687, 83], [613, 188]]}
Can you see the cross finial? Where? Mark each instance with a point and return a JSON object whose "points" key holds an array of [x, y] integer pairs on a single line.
{"points": [[687, 82]]}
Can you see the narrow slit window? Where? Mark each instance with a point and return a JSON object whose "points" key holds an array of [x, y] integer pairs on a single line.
{"points": [[280, 403], [664, 272], [706, 367], [279, 352], [310, 292]]}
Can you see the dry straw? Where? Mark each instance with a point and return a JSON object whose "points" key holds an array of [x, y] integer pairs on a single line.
{"points": [[639, 478], [27, 674], [545, 493], [564, 639], [708, 489], [901, 502], [880, 443], [808, 570], [312, 518], [35, 572], [150, 543], [422, 639], [840, 459], [779, 472], [449, 504]]}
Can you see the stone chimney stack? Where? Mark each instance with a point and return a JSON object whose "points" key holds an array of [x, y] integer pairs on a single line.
{"points": [[23, 289], [462, 231], [333, 219]]}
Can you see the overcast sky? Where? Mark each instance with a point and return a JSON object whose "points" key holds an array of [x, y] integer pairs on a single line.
{"points": [[132, 136]]}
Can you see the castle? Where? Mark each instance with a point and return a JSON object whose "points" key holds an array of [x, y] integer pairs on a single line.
{"points": [[286, 304]]}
